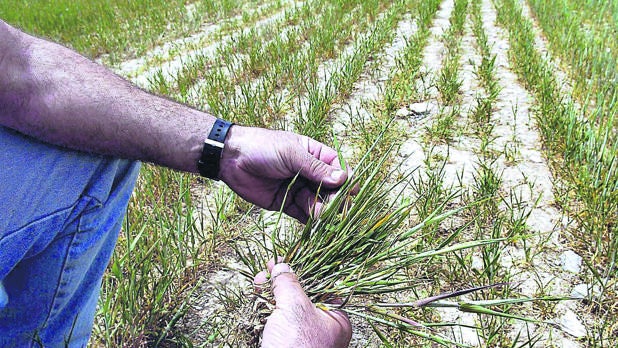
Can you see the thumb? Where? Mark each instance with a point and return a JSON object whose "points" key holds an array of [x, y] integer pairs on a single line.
{"points": [[286, 289], [318, 172]]}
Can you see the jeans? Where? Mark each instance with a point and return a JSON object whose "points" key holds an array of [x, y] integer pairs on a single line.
{"points": [[61, 214]]}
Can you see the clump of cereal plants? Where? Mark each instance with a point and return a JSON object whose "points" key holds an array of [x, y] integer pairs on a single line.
{"points": [[361, 247]]}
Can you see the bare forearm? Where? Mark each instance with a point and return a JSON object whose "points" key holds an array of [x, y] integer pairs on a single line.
{"points": [[54, 94]]}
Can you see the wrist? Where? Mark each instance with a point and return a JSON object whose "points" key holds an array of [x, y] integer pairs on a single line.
{"points": [[231, 152]]}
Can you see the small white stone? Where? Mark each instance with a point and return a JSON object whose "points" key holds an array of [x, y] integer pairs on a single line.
{"points": [[410, 147], [572, 325], [403, 112], [534, 156], [570, 261], [582, 291], [339, 128], [464, 334], [412, 155], [421, 108], [542, 222], [477, 263]]}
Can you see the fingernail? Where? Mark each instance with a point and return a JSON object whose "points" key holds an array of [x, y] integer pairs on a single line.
{"points": [[280, 268], [337, 174]]}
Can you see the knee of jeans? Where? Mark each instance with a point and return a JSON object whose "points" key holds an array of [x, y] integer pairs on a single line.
{"points": [[29, 223], [53, 294], [57, 180]]}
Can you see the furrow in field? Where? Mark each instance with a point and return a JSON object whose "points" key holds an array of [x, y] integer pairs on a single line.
{"points": [[525, 180], [538, 264], [329, 82], [412, 153], [452, 158], [526, 185], [370, 85], [588, 172], [461, 151], [457, 152], [208, 33], [171, 58], [542, 45], [433, 54]]}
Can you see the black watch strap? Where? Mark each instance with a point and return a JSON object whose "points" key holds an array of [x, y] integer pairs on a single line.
{"points": [[208, 164]]}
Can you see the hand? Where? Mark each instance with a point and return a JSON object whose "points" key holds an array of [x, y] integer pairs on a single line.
{"points": [[259, 164], [296, 322]]}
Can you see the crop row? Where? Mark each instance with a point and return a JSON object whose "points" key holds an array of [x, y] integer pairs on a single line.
{"points": [[584, 155], [119, 28], [589, 50]]}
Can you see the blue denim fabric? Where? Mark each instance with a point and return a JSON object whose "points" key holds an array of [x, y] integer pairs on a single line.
{"points": [[60, 217]]}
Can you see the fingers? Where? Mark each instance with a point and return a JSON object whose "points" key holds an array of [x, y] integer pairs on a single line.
{"points": [[318, 172], [320, 165], [289, 295], [343, 327], [322, 152], [286, 289], [262, 277], [271, 263], [295, 311], [259, 280], [324, 167], [304, 201], [298, 200]]}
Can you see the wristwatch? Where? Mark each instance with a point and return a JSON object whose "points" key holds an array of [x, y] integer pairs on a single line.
{"points": [[208, 164]]}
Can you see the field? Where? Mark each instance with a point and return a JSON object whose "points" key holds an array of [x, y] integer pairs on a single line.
{"points": [[503, 108]]}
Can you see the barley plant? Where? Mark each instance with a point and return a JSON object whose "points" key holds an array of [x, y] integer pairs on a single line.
{"points": [[360, 247]]}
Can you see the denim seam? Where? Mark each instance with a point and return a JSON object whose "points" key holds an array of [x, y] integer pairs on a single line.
{"points": [[41, 218], [93, 204], [53, 309]]}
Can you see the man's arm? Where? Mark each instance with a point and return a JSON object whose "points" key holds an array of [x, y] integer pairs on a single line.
{"points": [[52, 93], [56, 95]]}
